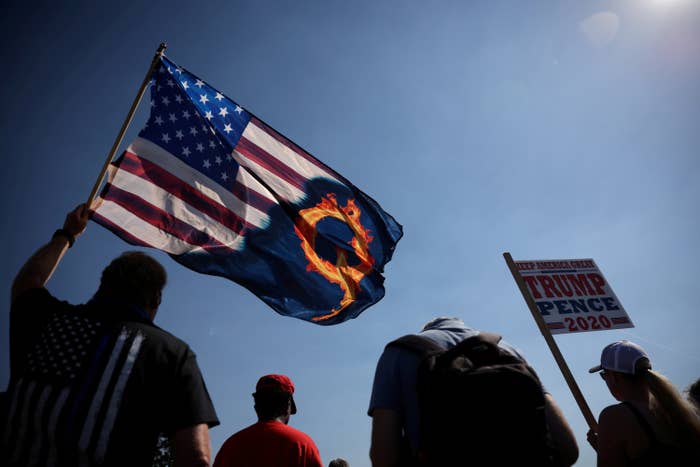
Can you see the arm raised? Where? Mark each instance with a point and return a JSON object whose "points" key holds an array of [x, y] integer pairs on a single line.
{"points": [[40, 266]]}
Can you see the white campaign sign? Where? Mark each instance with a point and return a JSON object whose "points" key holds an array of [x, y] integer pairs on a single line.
{"points": [[572, 295]]}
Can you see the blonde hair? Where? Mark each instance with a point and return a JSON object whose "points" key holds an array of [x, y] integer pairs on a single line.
{"points": [[679, 411]]}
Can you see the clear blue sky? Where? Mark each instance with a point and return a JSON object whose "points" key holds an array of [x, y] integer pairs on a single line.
{"points": [[561, 129]]}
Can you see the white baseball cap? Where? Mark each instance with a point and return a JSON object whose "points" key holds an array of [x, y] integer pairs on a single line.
{"points": [[623, 357]]}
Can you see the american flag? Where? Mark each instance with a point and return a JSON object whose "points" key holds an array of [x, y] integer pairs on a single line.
{"points": [[63, 409], [225, 194]]}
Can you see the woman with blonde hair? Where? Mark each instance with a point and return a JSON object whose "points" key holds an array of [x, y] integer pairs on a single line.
{"points": [[653, 424]]}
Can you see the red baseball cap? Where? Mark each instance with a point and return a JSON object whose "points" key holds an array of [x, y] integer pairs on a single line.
{"points": [[277, 383]]}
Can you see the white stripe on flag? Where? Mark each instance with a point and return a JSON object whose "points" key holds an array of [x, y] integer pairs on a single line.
{"points": [[117, 394], [284, 190], [53, 424], [97, 399], [177, 208], [246, 179], [284, 153], [13, 410], [23, 421], [159, 156], [142, 230], [38, 434]]}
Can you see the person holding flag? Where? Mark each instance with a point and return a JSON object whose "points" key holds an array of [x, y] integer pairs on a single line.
{"points": [[97, 383]]}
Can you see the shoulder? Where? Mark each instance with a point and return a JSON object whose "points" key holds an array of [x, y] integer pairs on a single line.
{"points": [[159, 338], [164, 336], [618, 422], [35, 299], [34, 308], [394, 361], [296, 434], [283, 434], [234, 438], [162, 353], [616, 415]]}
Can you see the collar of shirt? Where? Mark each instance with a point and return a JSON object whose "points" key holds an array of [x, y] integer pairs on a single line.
{"points": [[126, 309], [447, 324]]}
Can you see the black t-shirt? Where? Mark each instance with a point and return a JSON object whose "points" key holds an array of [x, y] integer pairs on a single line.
{"points": [[95, 384]]}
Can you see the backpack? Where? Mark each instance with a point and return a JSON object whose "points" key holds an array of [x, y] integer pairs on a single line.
{"points": [[479, 405]]}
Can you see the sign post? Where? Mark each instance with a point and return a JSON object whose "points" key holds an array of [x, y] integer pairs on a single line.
{"points": [[568, 296]]}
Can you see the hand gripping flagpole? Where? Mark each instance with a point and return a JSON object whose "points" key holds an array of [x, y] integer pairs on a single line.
{"points": [[587, 414], [127, 122]]}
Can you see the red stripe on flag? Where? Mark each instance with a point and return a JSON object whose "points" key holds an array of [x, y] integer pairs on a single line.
{"points": [[252, 197], [263, 158], [165, 221], [160, 177], [119, 231], [291, 145]]}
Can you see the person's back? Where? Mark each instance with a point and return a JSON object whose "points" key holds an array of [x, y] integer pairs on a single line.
{"points": [[652, 425], [649, 440], [102, 395], [270, 441], [474, 396], [399, 433], [96, 384]]}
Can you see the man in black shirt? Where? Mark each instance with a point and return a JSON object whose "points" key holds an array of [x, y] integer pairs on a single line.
{"points": [[97, 383]]}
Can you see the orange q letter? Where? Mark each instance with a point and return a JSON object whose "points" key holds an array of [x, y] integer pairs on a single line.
{"points": [[346, 276]]}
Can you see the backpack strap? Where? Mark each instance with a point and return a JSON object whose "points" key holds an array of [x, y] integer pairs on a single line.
{"points": [[425, 346], [488, 337], [643, 423], [419, 344]]}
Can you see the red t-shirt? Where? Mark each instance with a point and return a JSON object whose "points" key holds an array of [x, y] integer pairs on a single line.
{"points": [[269, 444]]}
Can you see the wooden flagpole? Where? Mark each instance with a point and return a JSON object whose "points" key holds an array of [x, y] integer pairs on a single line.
{"points": [[587, 414], [127, 122]]}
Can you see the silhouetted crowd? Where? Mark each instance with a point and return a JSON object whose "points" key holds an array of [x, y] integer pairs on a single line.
{"points": [[98, 384]]}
